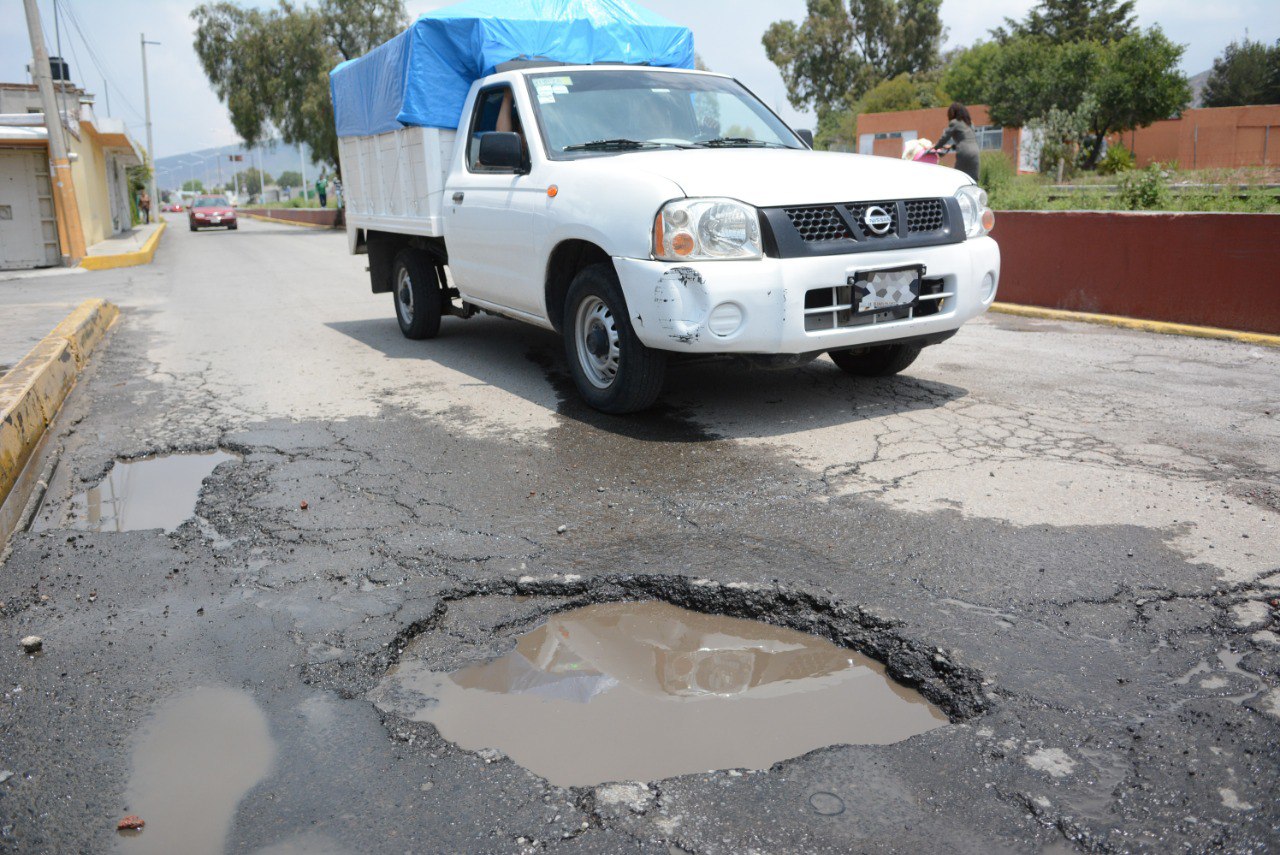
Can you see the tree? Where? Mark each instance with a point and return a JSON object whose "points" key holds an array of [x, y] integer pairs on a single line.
{"points": [[967, 71], [904, 92], [1248, 72], [840, 51], [1126, 84], [271, 67], [1062, 21], [252, 181], [289, 178], [193, 186]]}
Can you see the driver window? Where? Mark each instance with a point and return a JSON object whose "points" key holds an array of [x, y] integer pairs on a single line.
{"points": [[495, 111]]}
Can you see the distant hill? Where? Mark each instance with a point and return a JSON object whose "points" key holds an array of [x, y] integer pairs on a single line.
{"points": [[1196, 82], [276, 157]]}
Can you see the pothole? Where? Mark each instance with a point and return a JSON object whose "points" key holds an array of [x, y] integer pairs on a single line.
{"points": [[146, 493], [197, 758], [583, 693]]}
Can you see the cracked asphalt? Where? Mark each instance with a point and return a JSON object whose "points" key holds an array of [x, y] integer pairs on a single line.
{"points": [[1065, 535]]}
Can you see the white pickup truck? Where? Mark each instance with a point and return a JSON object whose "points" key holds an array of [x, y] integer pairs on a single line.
{"points": [[645, 213]]}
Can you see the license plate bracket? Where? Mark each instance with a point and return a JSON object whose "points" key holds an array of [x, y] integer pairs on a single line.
{"points": [[887, 288]]}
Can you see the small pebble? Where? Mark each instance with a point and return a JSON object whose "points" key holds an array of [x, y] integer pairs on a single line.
{"points": [[32, 643], [562, 529], [303, 505], [130, 823]]}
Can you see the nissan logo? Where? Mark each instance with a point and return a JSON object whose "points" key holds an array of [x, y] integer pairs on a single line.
{"points": [[877, 219]]}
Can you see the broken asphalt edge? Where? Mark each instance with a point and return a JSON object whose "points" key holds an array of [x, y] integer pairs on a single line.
{"points": [[127, 259], [32, 392], [1161, 327]]}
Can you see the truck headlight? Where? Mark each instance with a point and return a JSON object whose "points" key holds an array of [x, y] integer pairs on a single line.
{"points": [[706, 230], [978, 218]]}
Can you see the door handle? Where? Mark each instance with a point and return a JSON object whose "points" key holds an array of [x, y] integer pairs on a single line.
{"points": [[458, 197]]}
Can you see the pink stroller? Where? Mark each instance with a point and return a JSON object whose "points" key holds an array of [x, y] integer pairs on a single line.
{"points": [[920, 151]]}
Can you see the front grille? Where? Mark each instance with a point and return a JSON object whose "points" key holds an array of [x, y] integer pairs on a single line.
{"points": [[840, 228], [857, 210], [924, 215], [818, 224], [832, 307]]}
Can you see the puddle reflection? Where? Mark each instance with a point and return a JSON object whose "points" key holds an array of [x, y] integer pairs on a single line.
{"points": [[197, 758], [150, 492], [644, 691]]}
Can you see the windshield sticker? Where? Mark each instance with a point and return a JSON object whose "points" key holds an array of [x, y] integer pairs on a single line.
{"points": [[546, 98]]}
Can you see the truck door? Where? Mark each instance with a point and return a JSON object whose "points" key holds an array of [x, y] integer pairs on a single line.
{"points": [[490, 216]]}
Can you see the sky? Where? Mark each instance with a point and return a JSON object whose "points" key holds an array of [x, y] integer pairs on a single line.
{"points": [[187, 116]]}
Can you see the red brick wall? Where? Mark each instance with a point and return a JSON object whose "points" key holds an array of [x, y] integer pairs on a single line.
{"points": [[1217, 270], [331, 217]]}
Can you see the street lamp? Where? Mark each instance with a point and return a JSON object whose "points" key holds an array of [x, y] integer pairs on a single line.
{"points": [[146, 97]]}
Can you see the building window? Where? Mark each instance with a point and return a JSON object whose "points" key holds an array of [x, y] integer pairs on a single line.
{"points": [[989, 137]]}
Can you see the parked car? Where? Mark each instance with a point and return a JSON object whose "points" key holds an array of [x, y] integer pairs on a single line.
{"points": [[646, 212], [172, 207], [208, 211]]}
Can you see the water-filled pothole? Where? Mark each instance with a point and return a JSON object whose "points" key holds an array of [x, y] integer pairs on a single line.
{"points": [[197, 758], [149, 492], [643, 691]]}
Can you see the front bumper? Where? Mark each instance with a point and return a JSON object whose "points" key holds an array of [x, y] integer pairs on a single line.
{"points": [[670, 303]]}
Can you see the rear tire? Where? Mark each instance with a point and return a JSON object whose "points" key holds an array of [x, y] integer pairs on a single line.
{"points": [[881, 360], [417, 294], [614, 372]]}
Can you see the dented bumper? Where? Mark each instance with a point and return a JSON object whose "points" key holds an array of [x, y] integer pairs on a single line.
{"points": [[689, 308]]}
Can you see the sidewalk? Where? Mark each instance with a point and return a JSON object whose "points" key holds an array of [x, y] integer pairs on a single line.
{"points": [[133, 240], [129, 249]]}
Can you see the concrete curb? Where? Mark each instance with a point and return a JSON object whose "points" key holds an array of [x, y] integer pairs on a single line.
{"points": [[33, 391], [1161, 327], [126, 259], [267, 219]]}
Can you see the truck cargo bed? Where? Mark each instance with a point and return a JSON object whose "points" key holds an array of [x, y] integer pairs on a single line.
{"points": [[394, 181]]}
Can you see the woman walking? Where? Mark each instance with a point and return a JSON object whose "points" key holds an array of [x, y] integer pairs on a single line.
{"points": [[960, 138]]}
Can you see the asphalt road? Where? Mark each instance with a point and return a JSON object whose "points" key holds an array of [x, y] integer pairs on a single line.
{"points": [[1066, 535]]}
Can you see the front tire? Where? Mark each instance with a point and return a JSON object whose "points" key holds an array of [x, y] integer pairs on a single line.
{"points": [[878, 361], [614, 372], [417, 294]]}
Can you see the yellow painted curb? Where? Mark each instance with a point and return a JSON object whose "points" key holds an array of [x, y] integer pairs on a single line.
{"points": [[1162, 327], [32, 392], [267, 219], [126, 259]]}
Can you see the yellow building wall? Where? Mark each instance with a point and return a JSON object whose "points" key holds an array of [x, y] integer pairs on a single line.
{"points": [[89, 173]]}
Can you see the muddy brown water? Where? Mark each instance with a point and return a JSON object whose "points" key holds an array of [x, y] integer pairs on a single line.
{"points": [[195, 760], [150, 492], [645, 691]]}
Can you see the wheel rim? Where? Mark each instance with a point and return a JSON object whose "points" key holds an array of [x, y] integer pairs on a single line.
{"points": [[404, 295], [596, 340]]}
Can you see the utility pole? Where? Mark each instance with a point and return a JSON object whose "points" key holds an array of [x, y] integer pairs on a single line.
{"points": [[262, 179], [306, 194], [63, 190], [146, 97]]}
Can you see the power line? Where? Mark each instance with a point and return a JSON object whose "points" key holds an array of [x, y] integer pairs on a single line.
{"points": [[107, 78]]}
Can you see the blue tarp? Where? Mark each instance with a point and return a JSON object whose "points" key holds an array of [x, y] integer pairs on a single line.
{"points": [[423, 75]]}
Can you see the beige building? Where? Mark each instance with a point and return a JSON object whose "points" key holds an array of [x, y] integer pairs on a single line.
{"points": [[101, 151]]}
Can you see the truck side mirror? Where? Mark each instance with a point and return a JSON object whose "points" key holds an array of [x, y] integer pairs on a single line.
{"points": [[500, 150], [806, 135]]}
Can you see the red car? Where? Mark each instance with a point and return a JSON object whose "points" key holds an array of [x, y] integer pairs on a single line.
{"points": [[211, 211]]}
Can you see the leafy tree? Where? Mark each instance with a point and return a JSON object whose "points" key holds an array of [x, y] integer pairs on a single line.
{"points": [[968, 70], [289, 178], [1062, 21], [271, 67], [839, 51], [252, 181], [1126, 84], [193, 186], [1248, 72]]}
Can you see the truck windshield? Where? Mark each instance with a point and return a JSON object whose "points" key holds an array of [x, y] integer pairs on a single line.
{"points": [[581, 112]]}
